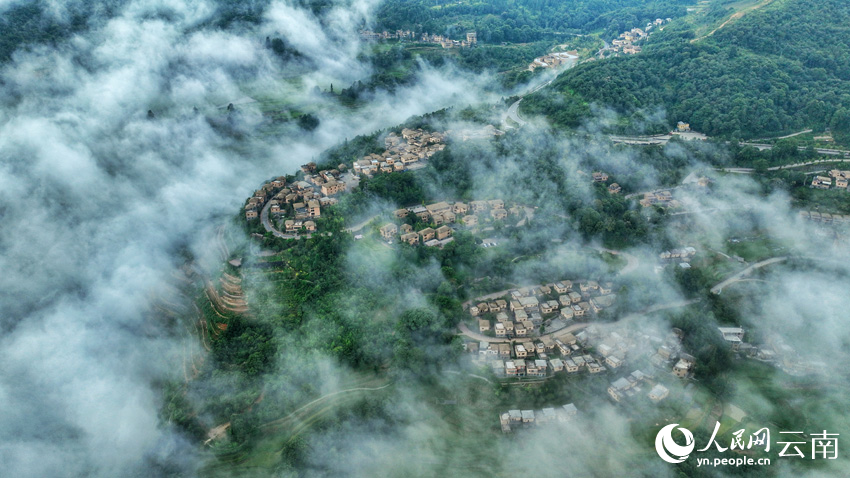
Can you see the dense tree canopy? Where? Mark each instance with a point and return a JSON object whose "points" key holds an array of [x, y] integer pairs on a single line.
{"points": [[772, 71], [520, 21]]}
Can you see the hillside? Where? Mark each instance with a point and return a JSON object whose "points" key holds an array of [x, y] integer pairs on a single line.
{"points": [[524, 20], [777, 69]]}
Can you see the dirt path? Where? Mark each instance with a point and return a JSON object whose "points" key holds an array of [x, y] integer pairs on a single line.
{"points": [[324, 397], [735, 16]]}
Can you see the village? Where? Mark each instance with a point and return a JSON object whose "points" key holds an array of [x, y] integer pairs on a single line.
{"points": [[291, 209], [295, 206], [627, 42], [609, 348], [599, 349], [434, 224], [444, 41]]}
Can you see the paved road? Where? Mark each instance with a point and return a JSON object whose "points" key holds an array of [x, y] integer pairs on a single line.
{"points": [[513, 110], [786, 136], [513, 114], [264, 217], [777, 168], [824, 151], [717, 289], [664, 138], [362, 224]]}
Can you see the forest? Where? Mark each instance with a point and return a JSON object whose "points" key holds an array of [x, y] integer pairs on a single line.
{"points": [[776, 70], [522, 21]]}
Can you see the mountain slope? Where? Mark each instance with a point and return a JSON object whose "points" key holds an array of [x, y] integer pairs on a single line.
{"points": [[777, 69]]}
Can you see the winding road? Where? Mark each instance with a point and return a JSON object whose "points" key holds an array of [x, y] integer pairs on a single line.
{"points": [[786, 166], [513, 110], [717, 289]]}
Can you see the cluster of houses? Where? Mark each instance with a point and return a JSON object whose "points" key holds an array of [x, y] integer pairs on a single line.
{"points": [[402, 152], [600, 177], [299, 200], [523, 312], [385, 35], [842, 178], [659, 198], [684, 254], [630, 386], [526, 418], [439, 219], [535, 357], [446, 42], [670, 356], [825, 217], [295, 206], [552, 60], [775, 350], [626, 42]]}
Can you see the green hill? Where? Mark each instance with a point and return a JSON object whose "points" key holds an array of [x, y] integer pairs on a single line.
{"points": [[777, 69]]}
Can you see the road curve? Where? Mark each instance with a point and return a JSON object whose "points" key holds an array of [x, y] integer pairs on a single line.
{"points": [[264, 217], [717, 289]]}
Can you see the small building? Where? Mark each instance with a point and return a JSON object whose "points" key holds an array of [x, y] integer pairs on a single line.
{"points": [[520, 330], [659, 392], [498, 214], [389, 231], [682, 368], [613, 361], [520, 351], [411, 238], [443, 232], [557, 365], [314, 208], [567, 412], [427, 234], [483, 325], [733, 335], [549, 306]]}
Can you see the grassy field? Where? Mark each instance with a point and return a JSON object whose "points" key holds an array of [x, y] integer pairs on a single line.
{"points": [[755, 248]]}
